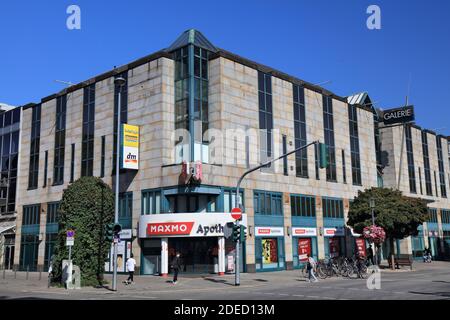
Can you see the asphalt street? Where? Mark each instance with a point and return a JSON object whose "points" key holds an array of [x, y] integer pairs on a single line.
{"points": [[425, 282]]}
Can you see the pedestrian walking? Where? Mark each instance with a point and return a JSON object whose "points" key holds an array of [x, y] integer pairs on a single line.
{"points": [[311, 267], [370, 254], [176, 266], [131, 263]]}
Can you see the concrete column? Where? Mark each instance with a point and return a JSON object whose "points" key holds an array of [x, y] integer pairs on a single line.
{"points": [[288, 252], [164, 257], [320, 238], [440, 231], [221, 254]]}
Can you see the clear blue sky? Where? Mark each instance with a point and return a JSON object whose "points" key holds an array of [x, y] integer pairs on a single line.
{"points": [[314, 40]]}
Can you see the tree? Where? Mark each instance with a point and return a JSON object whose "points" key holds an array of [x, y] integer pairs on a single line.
{"points": [[398, 215], [87, 206]]}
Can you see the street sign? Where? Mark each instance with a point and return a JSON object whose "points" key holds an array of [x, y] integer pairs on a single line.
{"points": [[70, 237], [70, 234], [236, 213]]}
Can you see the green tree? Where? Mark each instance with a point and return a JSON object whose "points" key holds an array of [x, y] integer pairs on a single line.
{"points": [[87, 206], [398, 215]]}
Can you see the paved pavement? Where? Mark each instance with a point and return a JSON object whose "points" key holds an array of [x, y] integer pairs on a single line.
{"points": [[426, 282]]}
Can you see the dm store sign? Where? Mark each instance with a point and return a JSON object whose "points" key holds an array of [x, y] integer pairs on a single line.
{"points": [[130, 147]]}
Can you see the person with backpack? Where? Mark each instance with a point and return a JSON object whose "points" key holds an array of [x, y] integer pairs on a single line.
{"points": [[311, 266]]}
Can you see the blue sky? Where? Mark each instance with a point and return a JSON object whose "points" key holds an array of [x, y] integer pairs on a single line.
{"points": [[316, 41]]}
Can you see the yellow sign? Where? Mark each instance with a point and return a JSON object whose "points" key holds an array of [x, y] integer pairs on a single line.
{"points": [[130, 136]]}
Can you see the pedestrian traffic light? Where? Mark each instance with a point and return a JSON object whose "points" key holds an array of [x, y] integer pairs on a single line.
{"points": [[236, 232], [323, 155], [117, 228], [242, 235], [109, 232]]}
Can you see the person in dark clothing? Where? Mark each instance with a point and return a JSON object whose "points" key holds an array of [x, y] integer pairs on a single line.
{"points": [[176, 266], [370, 254]]}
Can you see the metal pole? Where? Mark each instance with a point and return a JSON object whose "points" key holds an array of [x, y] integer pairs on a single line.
{"points": [[70, 253], [375, 247], [116, 207], [238, 186]]}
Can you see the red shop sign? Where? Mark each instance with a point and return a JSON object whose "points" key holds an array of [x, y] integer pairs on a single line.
{"points": [[361, 246], [169, 228]]}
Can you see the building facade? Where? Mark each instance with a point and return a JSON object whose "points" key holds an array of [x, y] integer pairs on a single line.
{"points": [[206, 116]]}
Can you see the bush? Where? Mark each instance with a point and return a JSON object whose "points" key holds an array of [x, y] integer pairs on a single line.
{"points": [[87, 206]]}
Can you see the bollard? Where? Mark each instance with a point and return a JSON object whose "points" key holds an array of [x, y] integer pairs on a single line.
{"points": [[15, 273], [28, 270], [4, 272]]}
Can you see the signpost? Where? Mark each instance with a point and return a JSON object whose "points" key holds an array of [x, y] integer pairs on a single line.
{"points": [[70, 239]]}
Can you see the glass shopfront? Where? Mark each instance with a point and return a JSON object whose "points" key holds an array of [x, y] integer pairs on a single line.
{"points": [[301, 248], [270, 254], [198, 255]]}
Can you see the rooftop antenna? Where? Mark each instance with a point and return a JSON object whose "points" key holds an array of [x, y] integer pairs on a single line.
{"points": [[322, 83], [67, 83]]}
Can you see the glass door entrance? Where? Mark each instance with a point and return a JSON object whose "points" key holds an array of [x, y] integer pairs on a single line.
{"points": [[198, 255]]}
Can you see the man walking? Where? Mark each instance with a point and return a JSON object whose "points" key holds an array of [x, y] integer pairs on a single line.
{"points": [[131, 263], [311, 266], [370, 254], [176, 265]]}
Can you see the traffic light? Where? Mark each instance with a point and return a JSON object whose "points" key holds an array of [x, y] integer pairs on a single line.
{"points": [[323, 155], [109, 232], [242, 233], [117, 228], [236, 232]]}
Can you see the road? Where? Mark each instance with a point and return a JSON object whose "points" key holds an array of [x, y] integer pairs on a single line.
{"points": [[426, 282]]}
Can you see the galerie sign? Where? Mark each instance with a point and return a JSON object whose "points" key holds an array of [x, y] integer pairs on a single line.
{"points": [[130, 147], [398, 115]]}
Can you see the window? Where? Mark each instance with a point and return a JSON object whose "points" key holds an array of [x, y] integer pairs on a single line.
{"points": [[433, 215], [420, 180], [72, 164], [328, 126], [31, 215], [303, 206], [354, 144], [151, 202], [332, 208], [125, 209], [9, 154], [316, 156], [45, 168], [229, 199], [201, 92], [182, 88], [344, 171], [87, 147], [426, 161], [285, 159], [123, 113], [268, 203], [102, 164], [34, 147], [301, 157], [410, 156], [445, 216], [265, 116], [52, 212], [441, 167], [60, 140]]}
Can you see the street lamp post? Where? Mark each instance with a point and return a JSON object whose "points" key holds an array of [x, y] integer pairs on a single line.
{"points": [[372, 208], [119, 82]]}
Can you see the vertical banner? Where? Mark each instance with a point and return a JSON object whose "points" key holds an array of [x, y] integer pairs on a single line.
{"points": [[270, 252], [361, 246], [334, 247], [129, 157], [304, 248]]}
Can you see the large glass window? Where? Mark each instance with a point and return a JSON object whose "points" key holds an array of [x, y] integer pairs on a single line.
{"points": [[441, 167], [52, 212], [87, 147], [31, 215], [301, 157], [432, 215], [125, 209], [60, 140], [426, 161], [34, 147], [332, 208], [151, 202], [410, 156], [201, 92], [268, 203], [229, 199], [265, 115], [328, 126], [354, 144], [303, 206], [445, 216]]}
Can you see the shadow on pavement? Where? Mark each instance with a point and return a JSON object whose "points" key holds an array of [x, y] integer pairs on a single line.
{"points": [[261, 280], [218, 281], [442, 294]]}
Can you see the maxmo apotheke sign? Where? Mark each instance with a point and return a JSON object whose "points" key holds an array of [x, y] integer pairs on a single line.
{"points": [[398, 115]]}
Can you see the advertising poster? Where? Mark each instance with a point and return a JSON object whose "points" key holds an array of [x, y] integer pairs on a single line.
{"points": [[361, 246], [130, 147], [270, 252], [304, 248], [334, 247]]}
